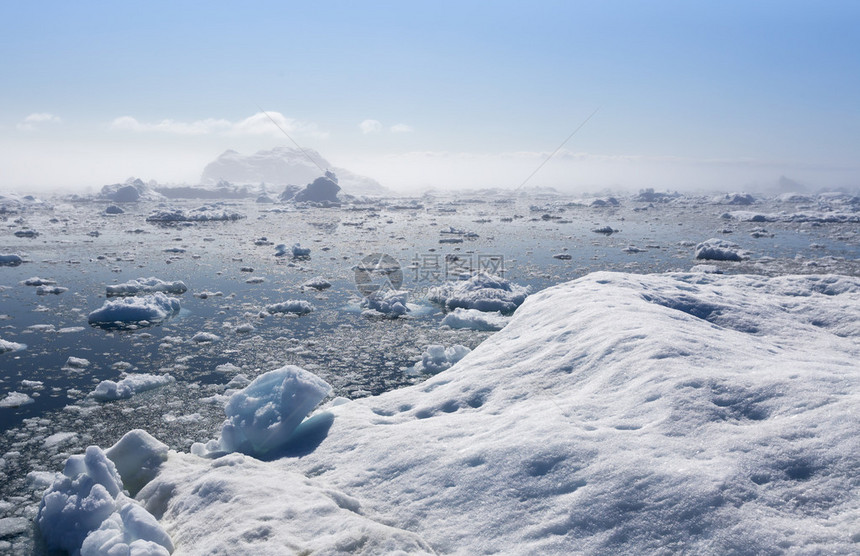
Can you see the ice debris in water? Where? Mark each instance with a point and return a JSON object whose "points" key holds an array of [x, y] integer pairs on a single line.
{"points": [[262, 416], [436, 358], [132, 384], [385, 303], [135, 310], [85, 511], [483, 292], [10, 259], [473, 319], [318, 283], [146, 285], [720, 250], [202, 214], [294, 306], [6, 346], [16, 399]]}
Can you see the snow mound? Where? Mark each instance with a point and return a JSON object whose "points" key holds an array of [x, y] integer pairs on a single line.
{"points": [[6, 346], [483, 292], [294, 306], [85, 512], [616, 414], [108, 390], [10, 259], [262, 416], [720, 250], [436, 358], [473, 319], [138, 311], [146, 285]]}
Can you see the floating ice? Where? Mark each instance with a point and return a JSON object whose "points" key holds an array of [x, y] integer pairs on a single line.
{"points": [[16, 399], [262, 416], [77, 362], [50, 290], [108, 390], [386, 303], [85, 512], [137, 456], [296, 251], [605, 230], [483, 292], [473, 319], [295, 306], [36, 281], [146, 285], [135, 310], [10, 259], [205, 213], [436, 358], [720, 250], [318, 283], [6, 346], [203, 337]]}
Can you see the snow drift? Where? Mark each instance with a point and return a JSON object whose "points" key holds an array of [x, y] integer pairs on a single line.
{"points": [[622, 414]]}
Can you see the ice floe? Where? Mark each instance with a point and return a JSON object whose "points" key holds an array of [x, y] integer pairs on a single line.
{"points": [[16, 399], [140, 311], [484, 292], [10, 259], [720, 250], [7, 346], [109, 390], [205, 213], [474, 319], [436, 358], [294, 306]]}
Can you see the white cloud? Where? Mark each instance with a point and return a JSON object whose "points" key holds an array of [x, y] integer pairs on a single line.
{"points": [[370, 126], [31, 122], [257, 124], [401, 128]]}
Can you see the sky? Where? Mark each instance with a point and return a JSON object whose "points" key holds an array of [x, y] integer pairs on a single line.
{"points": [[688, 95]]}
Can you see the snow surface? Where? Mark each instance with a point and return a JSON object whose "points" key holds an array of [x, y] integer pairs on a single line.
{"points": [[108, 390], [483, 292], [146, 285], [262, 416], [615, 414], [146, 309]]}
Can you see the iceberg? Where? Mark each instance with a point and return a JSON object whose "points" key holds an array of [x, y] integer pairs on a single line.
{"points": [[146, 285], [140, 311], [293, 306], [483, 292], [720, 250], [108, 390]]}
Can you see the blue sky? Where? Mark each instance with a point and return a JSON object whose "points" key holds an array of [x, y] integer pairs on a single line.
{"points": [[691, 94]]}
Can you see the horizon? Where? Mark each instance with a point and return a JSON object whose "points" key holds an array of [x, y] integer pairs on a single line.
{"points": [[436, 96]]}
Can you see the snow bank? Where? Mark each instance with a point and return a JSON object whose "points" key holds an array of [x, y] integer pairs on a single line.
{"points": [[6, 346], [135, 310], [295, 306], [483, 292], [108, 390], [262, 416], [436, 358], [615, 414], [720, 250], [473, 319], [146, 285], [10, 259], [85, 512]]}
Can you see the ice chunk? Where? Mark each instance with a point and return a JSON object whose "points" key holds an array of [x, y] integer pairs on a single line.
{"points": [[6, 346], [77, 362], [295, 306], [137, 457], [318, 283], [10, 259], [135, 310], [483, 292], [262, 416], [386, 303], [205, 213], [146, 285], [720, 250], [475, 320], [108, 390], [84, 512], [36, 281], [51, 290], [16, 399], [436, 358], [203, 337]]}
